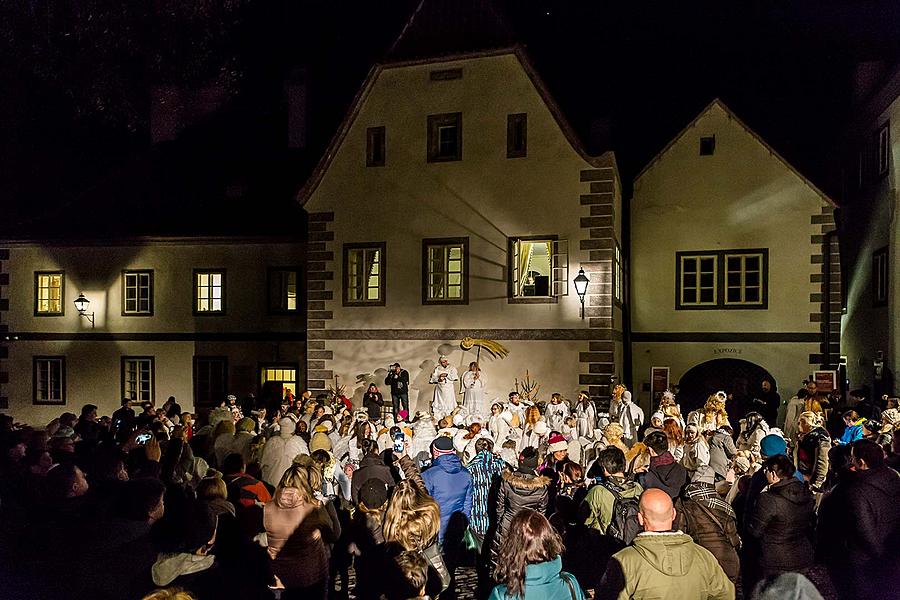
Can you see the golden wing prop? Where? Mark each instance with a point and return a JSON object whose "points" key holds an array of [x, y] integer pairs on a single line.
{"points": [[496, 349]]}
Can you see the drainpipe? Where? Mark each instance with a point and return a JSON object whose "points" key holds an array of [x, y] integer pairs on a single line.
{"points": [[826, 295]]}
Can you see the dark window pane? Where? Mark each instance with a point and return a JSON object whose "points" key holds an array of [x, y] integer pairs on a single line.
{"points": [[751, 295], [707, 265], [706, 296], [734, 263], [690, 296], [734, 294], [706, 279]]}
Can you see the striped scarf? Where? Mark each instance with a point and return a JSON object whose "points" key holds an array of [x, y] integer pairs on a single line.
{"points": [[706, 494]]}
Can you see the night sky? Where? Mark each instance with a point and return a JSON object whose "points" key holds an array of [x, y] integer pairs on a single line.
{"points": [[629, 75]]}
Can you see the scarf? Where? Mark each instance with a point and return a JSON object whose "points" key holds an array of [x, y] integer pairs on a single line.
{"points": [[665, 458], [707, 495]]}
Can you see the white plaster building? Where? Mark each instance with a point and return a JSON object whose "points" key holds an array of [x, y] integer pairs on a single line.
{"points": [[728, 265]]}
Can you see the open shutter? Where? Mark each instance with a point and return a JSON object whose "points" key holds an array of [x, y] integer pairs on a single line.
{"points": [[516, 275], [559, 267]]}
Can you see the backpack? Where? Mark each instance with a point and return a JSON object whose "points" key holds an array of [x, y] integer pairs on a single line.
{"points": [[623, 525]]}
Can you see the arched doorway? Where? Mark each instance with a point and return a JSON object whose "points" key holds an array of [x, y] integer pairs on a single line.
{"points": [[739, 378]]}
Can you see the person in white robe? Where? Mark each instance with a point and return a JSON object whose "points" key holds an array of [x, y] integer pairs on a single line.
{"points": [[516, 409], [498, 424], [631, 418], [444, 378], [585, 416], [280, 451], [473, 391], [556, 413]]}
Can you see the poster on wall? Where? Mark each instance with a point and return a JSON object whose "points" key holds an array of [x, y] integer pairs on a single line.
{"points": [[826, 381], [659, 381]]}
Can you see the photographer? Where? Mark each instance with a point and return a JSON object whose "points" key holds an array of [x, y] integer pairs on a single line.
{"points": [[398, 379]]}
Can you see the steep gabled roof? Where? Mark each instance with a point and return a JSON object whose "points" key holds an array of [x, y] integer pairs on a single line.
{"points": [[721, 105], [439, 28]]}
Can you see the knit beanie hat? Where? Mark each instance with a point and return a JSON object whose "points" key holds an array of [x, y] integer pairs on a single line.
{"points": [[442, 445], [319, 441], [557, 443], [373, 494], [528, 459], [245, 424], [541, 428], [772, 445]]}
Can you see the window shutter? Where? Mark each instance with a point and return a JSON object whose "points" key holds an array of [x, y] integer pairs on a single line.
{"points": [[516, 275], [559, 267]]}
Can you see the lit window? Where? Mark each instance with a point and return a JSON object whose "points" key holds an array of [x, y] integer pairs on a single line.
{"points": [[138, 293], [375, 143], [539, 267], [279, 377], [364, 274], [137, 378], [743, 278], [517, 135], [880, 277], [49, 380], [209, 292], [618, 273], [49, 293], [698, 281], [445, 137], [283, 290], [446, 271]]}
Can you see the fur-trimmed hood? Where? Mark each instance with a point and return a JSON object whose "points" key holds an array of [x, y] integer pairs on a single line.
{"points": [[525, 481]]}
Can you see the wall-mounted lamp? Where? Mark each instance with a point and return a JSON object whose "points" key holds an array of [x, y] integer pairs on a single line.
{"points": [[581, 285], [82, 304]]}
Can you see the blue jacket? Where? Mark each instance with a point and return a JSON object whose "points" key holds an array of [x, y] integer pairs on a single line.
{"points": [[852, 433], [544, 581], [448, 482]]}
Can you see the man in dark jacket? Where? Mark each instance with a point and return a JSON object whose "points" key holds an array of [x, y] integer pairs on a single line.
{"points": [[449, 483], [873, 540], [371, 466], [664, 473], [711, 522], [398, 379]]}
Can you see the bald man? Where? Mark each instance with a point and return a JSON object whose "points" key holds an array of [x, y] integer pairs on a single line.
{"points": [[662, 563]]}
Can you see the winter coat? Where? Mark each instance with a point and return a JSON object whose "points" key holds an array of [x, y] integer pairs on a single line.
{"points": [[448, 482], [373, 403], [719, 538], [600, 501], [664, 565], [280, 452], [545, 581], [872, 545], [811, 457], [519, 491], [852, 433], [299, 556], [721, 451], [370, 467], [669, 477], [485, 469], [782, 523]]}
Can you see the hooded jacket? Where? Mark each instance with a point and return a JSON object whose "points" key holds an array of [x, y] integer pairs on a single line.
{"points": [[519, 490], [782, 522], [545, 581], [721, 451], [280, 451], [371, 466], [664, 565], [872, 500], [485, 469], [448, 482], [600, 501], [664, 474]]}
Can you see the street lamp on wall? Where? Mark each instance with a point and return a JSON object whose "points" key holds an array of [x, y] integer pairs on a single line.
{"points": [[81, 305], [581, 285]]}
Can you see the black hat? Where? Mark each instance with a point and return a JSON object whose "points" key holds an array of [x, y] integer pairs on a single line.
{"points": [[373, 494], [443, 443], [528, 459]]}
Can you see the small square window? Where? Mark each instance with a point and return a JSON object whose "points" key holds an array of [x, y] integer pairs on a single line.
{"points": [[445, 137], [49, 293], [209, 292], [707, 145], [137, 293], [517, 135], [375, 143]]}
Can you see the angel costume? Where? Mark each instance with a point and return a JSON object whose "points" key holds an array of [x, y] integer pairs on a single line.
{"points": [[473, 393], [556, 415], [586, 419], [498, 425], [444, 401], [280, 451]]}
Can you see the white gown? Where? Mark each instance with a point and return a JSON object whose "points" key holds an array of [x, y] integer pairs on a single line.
{"points": [[444, 401], [556, 415], [473, 394], [586, 419]]}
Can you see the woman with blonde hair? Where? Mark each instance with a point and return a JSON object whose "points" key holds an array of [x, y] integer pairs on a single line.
{"points": [[712, 416], [811, 451], [613, 433], [299, 528]]}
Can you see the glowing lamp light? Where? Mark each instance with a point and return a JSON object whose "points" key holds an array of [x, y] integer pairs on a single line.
{"points": [[81, 305], [581, 285]]}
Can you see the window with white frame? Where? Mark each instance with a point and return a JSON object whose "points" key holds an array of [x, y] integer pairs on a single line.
{"points": [[744, 279], [364, 274], [49, 380], [209, 291], [698, 280], [445, 271], [137, 296], [49, 296], [538, 267], [618, 273], [137, 378]]}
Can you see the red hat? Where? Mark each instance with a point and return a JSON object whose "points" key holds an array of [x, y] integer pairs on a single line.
{"points": [[557, 443]]}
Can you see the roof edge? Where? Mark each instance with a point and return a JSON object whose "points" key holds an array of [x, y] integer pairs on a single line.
{"points": [[718, 102]]}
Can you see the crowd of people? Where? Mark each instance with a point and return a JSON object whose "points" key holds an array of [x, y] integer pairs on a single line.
{"points": [[554, 500]]}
